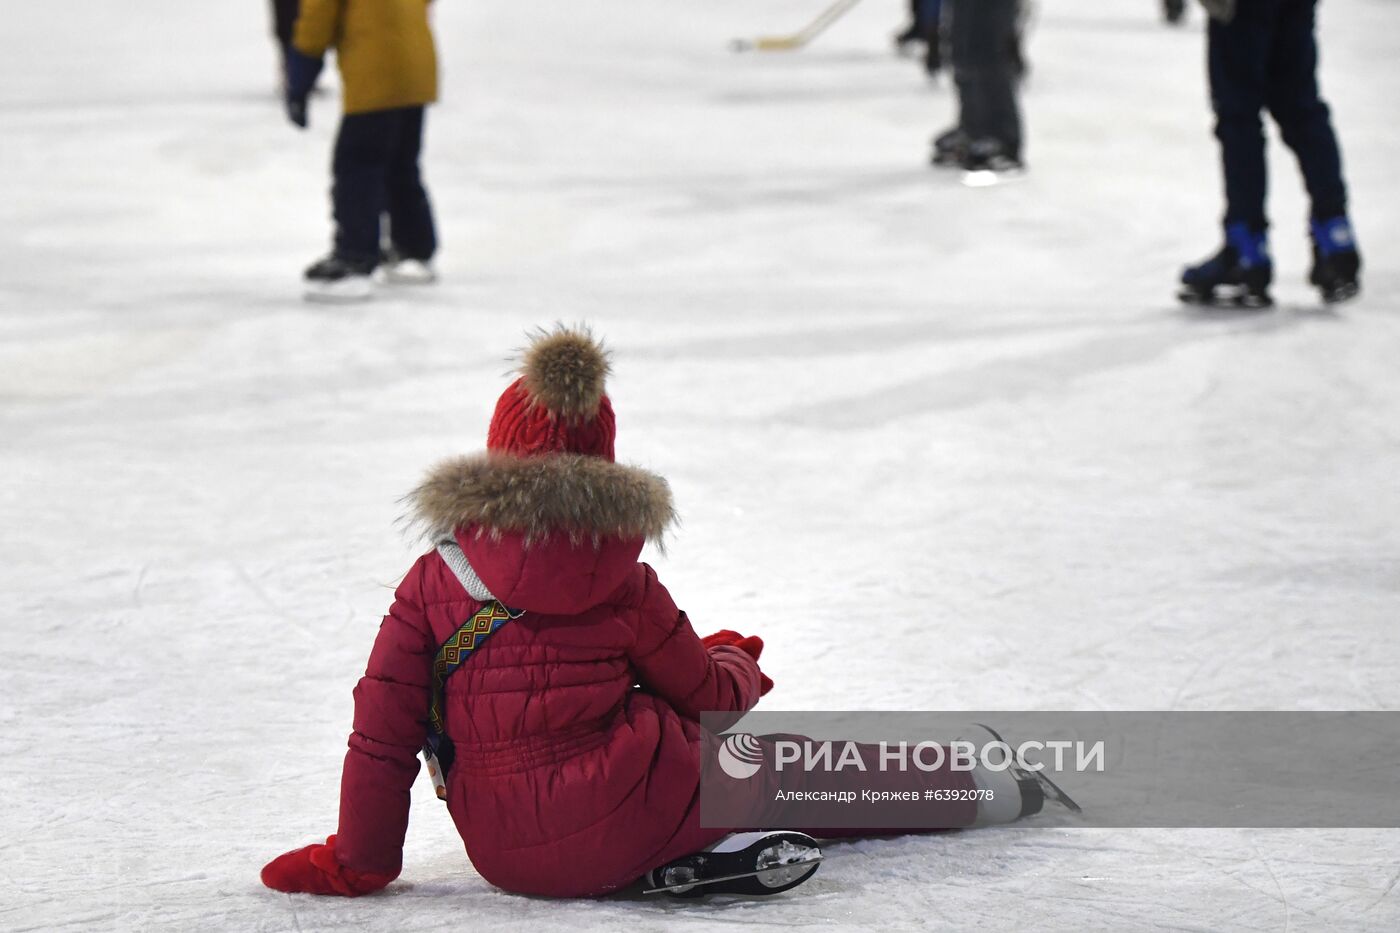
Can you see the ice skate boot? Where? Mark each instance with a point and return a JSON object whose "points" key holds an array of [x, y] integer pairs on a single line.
{"points": [[1016, 792], [399, 269], [337, 278], [1336, 263], [1174, 11], [989, 162], [1238, 275], [757, 863], [950, 148]]}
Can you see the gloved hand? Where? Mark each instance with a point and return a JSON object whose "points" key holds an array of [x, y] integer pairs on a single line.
{"points": [[723, 637], [751, 646], [314, 869], [302, 72]]}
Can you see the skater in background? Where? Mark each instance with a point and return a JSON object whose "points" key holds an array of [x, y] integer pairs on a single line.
{"points": [[1263, 54], [925, 29], [573, 719], [388, 68], [984, 36]]}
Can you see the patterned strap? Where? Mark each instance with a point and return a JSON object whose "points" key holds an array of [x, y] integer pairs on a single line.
{"points": [[456, 651]]}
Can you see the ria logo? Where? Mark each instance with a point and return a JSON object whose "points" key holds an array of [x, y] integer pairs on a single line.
{"points": [[740, 756]]}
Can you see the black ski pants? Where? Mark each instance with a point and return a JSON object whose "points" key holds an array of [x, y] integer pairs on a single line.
{"points": [[376, 172], [983, 39], [1266, 57]]}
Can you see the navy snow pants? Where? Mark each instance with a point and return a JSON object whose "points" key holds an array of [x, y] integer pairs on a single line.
{"points": [[376, 172], [1266, 57]]}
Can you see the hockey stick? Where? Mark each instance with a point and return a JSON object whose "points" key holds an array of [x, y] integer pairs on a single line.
{"points": [[800, 38]]}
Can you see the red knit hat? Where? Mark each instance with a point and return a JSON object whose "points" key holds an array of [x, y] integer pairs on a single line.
{"points": [[557, 405]]}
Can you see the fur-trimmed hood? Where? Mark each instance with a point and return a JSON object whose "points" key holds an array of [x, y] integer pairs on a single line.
{"points": [[580, 496]]}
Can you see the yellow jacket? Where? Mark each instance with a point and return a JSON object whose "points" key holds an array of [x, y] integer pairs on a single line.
{"points": [[384, 49]]}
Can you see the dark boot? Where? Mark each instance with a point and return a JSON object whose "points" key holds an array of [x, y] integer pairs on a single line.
{"points": [[950, 148]]}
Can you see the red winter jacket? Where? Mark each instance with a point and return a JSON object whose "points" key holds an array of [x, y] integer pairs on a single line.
{"points": [[575, 725]]}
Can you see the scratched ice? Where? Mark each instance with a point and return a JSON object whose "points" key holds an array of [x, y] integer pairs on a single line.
{"points": [[943, 448]]}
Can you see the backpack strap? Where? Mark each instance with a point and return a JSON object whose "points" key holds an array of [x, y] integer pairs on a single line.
{"points": [[451, 553], [455, 652]]}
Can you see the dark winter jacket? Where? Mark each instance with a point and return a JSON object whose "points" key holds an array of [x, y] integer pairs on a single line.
{"points": [[575, 725]]}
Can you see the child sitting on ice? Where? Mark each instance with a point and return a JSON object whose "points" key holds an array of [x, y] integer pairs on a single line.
{"points": [[574, 715]]}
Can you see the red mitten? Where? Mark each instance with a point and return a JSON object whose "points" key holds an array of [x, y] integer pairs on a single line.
{"points": [[315, 870], [723, 637], [751, 646]]}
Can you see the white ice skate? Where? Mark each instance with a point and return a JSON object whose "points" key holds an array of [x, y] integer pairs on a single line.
{"points": [[757, 863], [401, 270], [1016, 791]]}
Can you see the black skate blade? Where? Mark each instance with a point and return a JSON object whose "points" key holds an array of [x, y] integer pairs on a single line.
{"points": [[773, 864], [1057, 794], [1047, 787], [1336, 294], [714, 885], [1240, 301]]}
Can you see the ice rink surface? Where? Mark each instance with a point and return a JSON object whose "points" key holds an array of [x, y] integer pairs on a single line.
{"points": [[942, 448]]}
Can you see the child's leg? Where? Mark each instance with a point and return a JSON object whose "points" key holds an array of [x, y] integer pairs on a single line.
{"points": [[364, 148], [1239, 73], [411, 227], [1302, 117]]}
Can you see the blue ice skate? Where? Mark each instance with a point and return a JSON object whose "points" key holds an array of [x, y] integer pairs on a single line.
{"points": [[1336, 263], [1239, 275]]}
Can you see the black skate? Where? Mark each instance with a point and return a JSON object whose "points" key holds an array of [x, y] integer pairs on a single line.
{"points": [[990, 162], [1336, 263], [1035, 786], [337, 278], [950, 148], [1174, 11], [1238, 276], [757, 863]]}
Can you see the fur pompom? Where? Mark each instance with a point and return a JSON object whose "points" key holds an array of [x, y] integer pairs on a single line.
{"points": [[565, 370]]}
